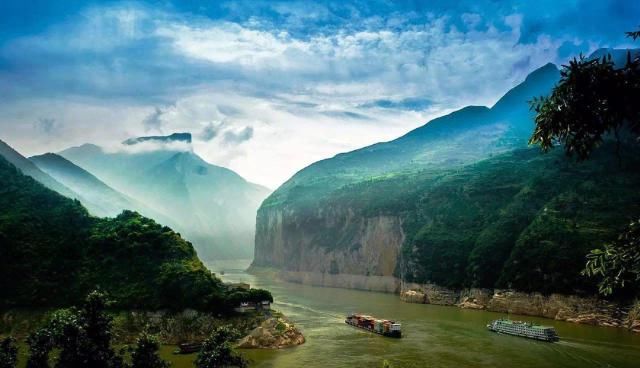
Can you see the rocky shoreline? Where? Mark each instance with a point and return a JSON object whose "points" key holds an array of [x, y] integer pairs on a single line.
{"points": [[570, 308]]}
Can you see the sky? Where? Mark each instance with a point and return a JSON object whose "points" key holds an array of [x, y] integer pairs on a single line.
{"points": [[269, 87]]}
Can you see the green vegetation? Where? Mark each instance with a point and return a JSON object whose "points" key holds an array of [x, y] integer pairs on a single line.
{"points": [[8, 352], [82, 337], [218, 352], [145, 353], [517, 220], [53, 253], [596, 99], [235, 297], [478, 208], [617, 263]]}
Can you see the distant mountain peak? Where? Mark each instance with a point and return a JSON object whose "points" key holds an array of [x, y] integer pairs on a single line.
{"points": [[546, 69], [175, 137]]}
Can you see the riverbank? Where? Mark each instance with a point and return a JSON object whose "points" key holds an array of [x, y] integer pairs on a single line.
{"points": [[570, 308], [171, 328]]}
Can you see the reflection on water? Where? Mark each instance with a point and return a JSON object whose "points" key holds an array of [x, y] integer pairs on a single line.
{"points": [[433, 336]]}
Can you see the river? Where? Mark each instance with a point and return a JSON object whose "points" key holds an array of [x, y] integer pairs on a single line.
{"points": [[433, 336]]}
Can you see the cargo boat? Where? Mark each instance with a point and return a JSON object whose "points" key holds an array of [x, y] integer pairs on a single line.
{"points": [[524, 329], [382, 327]]}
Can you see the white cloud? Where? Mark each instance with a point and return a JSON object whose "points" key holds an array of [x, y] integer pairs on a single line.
{"points": [[290, 99]]}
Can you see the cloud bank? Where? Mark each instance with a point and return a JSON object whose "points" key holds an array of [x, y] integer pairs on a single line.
{"points": [[269, 87]]}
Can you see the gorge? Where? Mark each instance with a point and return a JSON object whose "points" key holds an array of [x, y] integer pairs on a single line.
{"points": [[461, 203]]}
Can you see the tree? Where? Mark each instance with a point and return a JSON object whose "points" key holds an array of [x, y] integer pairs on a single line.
{"points": [[145, 354], [83, 337], [40, 345], [8, 352], [593, 100], [618, 263], [596, 99], [217, 350]]}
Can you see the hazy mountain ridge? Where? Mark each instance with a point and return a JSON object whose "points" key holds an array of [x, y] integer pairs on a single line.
{"points": [[212, 206], [99, 198], [29, 168], [461, 137]]}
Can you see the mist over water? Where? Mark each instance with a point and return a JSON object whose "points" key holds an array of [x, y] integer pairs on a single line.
{"points": [[433, 336]]}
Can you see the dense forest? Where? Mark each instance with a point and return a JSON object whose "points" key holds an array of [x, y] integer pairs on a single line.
{"points": [[522, 219], [54, 253]]}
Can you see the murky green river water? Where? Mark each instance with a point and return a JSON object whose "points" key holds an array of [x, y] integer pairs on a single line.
{"points": [[433, 336]]}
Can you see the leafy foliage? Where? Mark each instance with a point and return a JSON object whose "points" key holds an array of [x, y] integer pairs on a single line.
{"points": [[83, 338], [61, 253], [145, 353], [41, 342], [617, 264], [217, 351], [252, 295], [8, 353], [593, 99], [633, 34]]}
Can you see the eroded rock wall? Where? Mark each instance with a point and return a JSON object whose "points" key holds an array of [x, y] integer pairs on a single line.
{"points": [[570, 308], [330, 247]]}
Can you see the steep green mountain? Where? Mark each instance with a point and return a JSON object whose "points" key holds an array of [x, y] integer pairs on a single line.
{"points": [[462, 137], [98, 198], [29, 168], [459, 202], [52, 252], [210, 205]]}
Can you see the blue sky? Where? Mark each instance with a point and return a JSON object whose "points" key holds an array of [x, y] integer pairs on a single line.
{"points": [[270, 87]]}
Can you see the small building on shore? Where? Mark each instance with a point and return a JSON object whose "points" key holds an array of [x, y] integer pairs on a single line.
{"points": [[253, 306], [238, 285]]}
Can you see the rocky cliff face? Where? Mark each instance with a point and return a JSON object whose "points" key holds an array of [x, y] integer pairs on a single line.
{"points": [[570, 308], [330, 247]]}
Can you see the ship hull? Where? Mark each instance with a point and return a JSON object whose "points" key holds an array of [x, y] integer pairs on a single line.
{"points": [[393, 334], [545, 339]]}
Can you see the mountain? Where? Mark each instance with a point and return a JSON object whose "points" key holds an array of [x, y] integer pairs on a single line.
{"points": [[175, 137], [456, 139], [30, 169], [99, 198], [210, 205], [53, 253], [460, 202]]}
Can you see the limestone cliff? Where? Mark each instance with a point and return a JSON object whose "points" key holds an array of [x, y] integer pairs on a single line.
{"points": [[330, 247]]}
